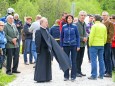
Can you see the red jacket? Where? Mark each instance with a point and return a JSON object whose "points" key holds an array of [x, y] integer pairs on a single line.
{"points": [[113, 42], [62, 22]]}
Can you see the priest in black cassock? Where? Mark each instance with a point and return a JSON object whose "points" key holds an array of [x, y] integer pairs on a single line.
{"points": [[46, 48]]}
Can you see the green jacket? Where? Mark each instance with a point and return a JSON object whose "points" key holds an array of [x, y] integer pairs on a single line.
{"points": [[98, 34], [82, 32], [11, 32]]}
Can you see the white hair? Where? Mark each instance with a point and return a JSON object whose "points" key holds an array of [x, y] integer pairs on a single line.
{"points": [[42, 20], [9, 16], [1, 22], [83, 12], [16, 15], [105, 12]]}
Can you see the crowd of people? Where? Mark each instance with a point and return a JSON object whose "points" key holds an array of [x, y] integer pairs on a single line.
{"points": [[66, 40]]}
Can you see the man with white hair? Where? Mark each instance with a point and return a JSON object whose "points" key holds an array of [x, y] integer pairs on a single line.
{"points": [[34, 26], [19, 26], [46, 46], [12, 47], [83, 39], [107, 46]]}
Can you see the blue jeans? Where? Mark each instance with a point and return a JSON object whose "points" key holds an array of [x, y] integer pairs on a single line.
{"points": [[107, 58], [34, 54], [73, 51], [94, 52], [27, 50]]}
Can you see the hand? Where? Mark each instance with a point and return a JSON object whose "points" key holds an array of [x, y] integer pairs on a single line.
{"points": [[85, 39], [18, 25], [78, 49], [14, 40], [1, 52]]}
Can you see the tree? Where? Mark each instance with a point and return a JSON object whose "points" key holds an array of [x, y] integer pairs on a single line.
{"points": [[3, 7], [26, 8], [53, 8]]}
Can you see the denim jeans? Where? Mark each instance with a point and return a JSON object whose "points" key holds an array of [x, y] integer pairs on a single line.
{"points": [[27, 50], [107, 58], [94, 52], [34, 54], [73, 51], [113, 57]]}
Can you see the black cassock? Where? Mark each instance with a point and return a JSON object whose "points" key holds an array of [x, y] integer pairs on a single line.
{"points": [[46, 47]]}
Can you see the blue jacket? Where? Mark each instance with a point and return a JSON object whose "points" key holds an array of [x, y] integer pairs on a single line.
{"points": [[28, 35], [70, 35], [3, 40], [4, 18], [55, 32]]}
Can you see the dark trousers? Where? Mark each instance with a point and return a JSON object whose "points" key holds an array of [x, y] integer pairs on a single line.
{"points": [[12, 53], [88, 49], [79, 59], [2, 58], [113, 57], [73, 51], [107, 58]]}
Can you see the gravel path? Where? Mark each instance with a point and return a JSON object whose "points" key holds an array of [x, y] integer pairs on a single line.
{"points": [[25, 78]]}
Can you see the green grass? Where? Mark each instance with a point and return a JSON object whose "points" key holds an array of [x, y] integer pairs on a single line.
{"points": [[5, 79]]}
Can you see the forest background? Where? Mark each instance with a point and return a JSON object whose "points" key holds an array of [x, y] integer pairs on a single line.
{"points": [[52, 9]]}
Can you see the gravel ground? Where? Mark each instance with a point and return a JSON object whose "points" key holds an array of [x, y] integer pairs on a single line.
{"points": [[25, 78]]}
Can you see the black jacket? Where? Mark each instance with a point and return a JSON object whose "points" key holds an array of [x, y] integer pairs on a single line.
{"points": [[53, 47]]}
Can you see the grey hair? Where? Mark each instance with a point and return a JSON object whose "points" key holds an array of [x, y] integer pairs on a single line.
{"points": [[105, 12], [82, 12], [42, 20], [16, 15], [9, 16]]}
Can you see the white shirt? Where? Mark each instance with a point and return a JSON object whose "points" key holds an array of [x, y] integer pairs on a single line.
{"points": [[34, 26]]}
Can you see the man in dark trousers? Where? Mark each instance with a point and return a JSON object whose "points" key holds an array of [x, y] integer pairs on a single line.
{"points": [[12, 47], [83, 39], [45, 45], [107, 46]]}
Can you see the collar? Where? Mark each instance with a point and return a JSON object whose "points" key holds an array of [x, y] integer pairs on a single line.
{"points": [[97, 22]]}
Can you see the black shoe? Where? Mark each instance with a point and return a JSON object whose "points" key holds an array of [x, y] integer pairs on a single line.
{"points": [[108, 75], [34, 66], [31, 63], [9, 73], [92, 78], [16, 72], [83, 74], [78, 75]]}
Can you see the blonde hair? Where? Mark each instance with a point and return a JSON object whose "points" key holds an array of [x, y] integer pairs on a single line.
{"points": [[42, 20]]}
